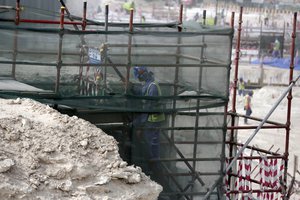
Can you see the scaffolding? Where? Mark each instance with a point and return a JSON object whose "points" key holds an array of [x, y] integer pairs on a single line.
{"points": [[87, 71], [259, 173]]}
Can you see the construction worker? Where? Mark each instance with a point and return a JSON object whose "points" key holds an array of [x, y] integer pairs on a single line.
{"points": [[276, 49], [149, 121], [248, 105], [241, 87], [127, 6]]}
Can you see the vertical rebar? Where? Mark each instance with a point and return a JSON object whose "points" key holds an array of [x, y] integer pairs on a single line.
{"points": [[180, 18], [80, 81], [106, 17], [176, 71], [232, 116], [17, 19], [237, 58], [62, 17], [105, 57], [84, 16], [129, 50], [204, 17], [176, 75], [131, 20], [15, 52], [59, 60], [232, 19]]}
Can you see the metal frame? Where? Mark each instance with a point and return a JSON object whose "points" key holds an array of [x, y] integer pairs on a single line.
{"points": [[275, 125], [231, 114]]}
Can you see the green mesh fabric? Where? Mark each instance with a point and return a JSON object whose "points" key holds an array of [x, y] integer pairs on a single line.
{"points": [[192, 67]]}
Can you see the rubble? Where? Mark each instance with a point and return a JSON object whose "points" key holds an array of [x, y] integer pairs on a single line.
{"points": [[48, 155]]}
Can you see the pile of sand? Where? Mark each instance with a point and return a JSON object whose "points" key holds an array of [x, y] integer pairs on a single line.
{"points": [[47, 155]]}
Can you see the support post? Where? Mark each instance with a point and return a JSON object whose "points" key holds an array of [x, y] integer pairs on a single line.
{"points": [[84, 16], [232, 116], [129, 50], [62, 17], [180, 18], [289, 105], [178, 50], [59, 61], [176, 70], [204, 17], [17, 20], [237, 58], [15, 53], [105, 58]]}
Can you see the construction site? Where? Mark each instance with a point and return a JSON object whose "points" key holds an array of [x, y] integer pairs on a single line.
{"points": [[82, 69]]}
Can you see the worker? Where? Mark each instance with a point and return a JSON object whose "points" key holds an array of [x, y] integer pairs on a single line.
{"points": [[196, 17], [248, 105], [241, 87], [276, 49], [127, 6], [150, 122], [143, 19]]}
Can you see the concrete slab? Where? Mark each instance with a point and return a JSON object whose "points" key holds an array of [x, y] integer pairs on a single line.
{"points": [[9, 84]]}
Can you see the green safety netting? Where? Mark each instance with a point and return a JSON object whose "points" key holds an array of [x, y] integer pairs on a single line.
{"points": [[184, 64], [92, 71]]}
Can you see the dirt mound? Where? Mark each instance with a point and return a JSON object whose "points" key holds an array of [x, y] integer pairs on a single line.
{"points": [[47, 155]]}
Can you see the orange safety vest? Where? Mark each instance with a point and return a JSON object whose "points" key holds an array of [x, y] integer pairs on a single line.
{"points": [[247, 103]]}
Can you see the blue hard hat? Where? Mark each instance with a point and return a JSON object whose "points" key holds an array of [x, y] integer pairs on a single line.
{"points": [[140, 72]]}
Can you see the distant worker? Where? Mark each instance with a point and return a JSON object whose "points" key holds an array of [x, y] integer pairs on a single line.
{"points": [[276, 49], [150, 122], [143, 19], [127, 6], [196, 17], [248, 105], [231, 87], [241, 87]]}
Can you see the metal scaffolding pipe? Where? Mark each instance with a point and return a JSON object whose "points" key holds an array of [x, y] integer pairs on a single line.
{"points": [[204, 17], [289, 98], [59, 60], [158, 45], [49, 21], [106, 18], [258, 157], [254, 191], [254, 133], [62, 17], [105, 57], [237, 58], [258, 119], [17, 19], [259, 149], [84, 16], [253, 127], [232, 116], [180, 18]]}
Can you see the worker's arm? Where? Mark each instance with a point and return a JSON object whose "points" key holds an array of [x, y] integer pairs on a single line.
{"points": [[152, 92]]}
